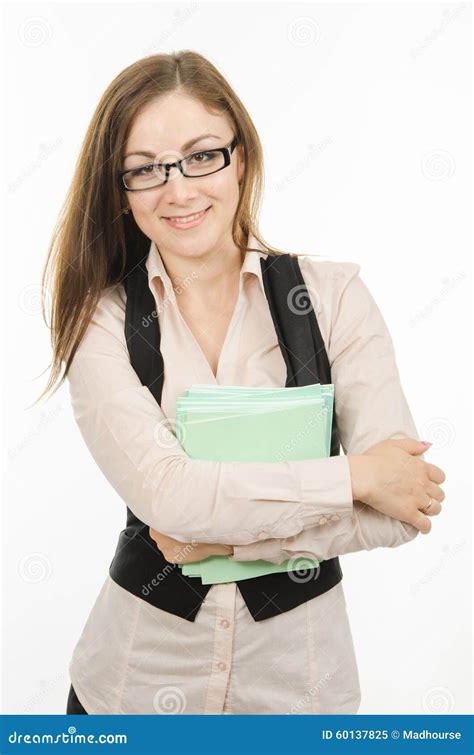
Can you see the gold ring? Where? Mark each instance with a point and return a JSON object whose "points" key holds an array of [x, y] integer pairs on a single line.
{"points": [[427, 507]]}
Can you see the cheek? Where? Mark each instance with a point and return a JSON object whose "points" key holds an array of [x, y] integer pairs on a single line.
{"points": [[223, 183], [225, 191], [143, 205]]}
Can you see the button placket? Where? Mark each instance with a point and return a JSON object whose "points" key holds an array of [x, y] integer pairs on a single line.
{"points": [[223, 645]]}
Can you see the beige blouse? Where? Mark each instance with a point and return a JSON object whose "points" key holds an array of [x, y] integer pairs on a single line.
{"points": [[135, 658], [270, 510]]}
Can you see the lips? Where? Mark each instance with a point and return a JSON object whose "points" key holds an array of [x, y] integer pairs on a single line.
{"points": [[190, 223], [182, 217]]}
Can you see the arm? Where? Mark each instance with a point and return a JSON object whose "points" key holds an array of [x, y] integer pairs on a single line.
{"points": [[365, 530], [188, 499], [370, 406]]}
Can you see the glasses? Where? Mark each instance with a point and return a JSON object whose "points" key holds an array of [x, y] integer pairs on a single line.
{"points": [[193, 166]]}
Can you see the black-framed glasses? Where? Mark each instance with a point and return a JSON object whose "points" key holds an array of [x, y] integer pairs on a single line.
{"points": [[198, 164]]}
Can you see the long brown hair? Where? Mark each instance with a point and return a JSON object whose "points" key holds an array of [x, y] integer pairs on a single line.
{"points": [[95, 244]]}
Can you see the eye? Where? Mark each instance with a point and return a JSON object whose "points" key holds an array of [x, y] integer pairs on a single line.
{"points": [[143, 171], [205, 155]]}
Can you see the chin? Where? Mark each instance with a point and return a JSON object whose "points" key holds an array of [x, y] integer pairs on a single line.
{"points": [[191, 250]]}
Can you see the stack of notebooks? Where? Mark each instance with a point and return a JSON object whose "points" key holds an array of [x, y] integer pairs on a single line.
{"points": [[233, 423]]}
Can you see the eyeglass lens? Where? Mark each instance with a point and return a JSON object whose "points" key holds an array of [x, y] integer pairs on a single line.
{"points": [[198, 164]]}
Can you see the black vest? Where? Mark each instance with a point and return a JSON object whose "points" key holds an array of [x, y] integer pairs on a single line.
{"points": [[138, 565]]}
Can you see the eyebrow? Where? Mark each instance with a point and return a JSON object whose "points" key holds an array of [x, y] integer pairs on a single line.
{"points": [[185, 147]]}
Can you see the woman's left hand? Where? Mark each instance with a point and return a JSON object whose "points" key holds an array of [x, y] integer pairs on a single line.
{"points": [[176, 552]]}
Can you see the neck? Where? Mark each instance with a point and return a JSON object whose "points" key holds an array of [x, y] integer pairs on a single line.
{"points": [[204, 281]]}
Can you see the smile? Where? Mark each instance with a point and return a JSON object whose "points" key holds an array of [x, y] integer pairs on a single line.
{"points": [[189, 221]]}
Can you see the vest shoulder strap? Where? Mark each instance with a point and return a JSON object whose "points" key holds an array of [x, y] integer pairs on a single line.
{"points": [[295, 321], [142, 331]]}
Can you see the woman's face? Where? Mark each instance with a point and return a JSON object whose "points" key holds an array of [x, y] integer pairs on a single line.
{"points": [[162, 129]]}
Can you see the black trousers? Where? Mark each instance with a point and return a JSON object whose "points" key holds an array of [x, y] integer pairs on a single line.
{"points": [[73, 705]]}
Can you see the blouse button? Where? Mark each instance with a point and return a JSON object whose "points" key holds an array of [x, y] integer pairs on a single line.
{"points": [[224, 623], [262, 535], [221, 666], [335, 517], [323, 520]]}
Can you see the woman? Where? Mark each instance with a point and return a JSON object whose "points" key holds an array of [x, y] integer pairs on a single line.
{"points": [[205, 318]]}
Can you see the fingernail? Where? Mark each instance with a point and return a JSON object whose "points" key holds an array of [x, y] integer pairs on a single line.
{"points": [[425, 443]]}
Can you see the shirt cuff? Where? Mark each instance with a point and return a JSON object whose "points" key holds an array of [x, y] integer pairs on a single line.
{"points": [[267, 550], [334, 487]]}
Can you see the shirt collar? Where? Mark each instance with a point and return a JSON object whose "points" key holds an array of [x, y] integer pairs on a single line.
{"points": [[251, 265]]}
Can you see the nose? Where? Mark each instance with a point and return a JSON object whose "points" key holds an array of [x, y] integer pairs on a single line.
{"points": [[178, 189]]}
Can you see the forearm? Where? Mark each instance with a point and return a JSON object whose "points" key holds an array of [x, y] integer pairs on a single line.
{"points": [[366, 529], [221, 502]]}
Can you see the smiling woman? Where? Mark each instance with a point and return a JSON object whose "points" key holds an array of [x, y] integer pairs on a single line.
{"points": [[161, 279], [181, 192], [159, 107]]}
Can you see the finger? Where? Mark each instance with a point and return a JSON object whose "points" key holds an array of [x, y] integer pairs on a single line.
{"points": [[410, 445], [434, 509], [434, 491], [421, 522], [435, 473]]}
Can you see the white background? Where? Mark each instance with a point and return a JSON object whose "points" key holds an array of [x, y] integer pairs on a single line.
{"points": [[372, 101]]}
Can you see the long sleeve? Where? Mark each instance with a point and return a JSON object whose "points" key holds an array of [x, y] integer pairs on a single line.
{"points": [[370, 406], [366, 529], [128, 436]]}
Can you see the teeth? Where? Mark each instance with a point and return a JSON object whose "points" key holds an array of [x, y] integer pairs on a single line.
{"points": [[187, 219]]}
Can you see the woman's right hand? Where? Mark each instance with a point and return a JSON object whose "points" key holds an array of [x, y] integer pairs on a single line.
{"points": [[391, 478]]}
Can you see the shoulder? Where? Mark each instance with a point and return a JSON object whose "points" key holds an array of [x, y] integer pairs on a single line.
{"points": [[106, 325], [329, 275], [338, 295], [327, 281], [112, 301], [110, 307], [348, 310]]}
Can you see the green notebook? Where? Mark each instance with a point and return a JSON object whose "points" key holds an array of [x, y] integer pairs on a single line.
{"points": [[236, 423]]}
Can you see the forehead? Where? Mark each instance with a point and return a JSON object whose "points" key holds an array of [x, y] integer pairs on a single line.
{"points": [[170, 121]]}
